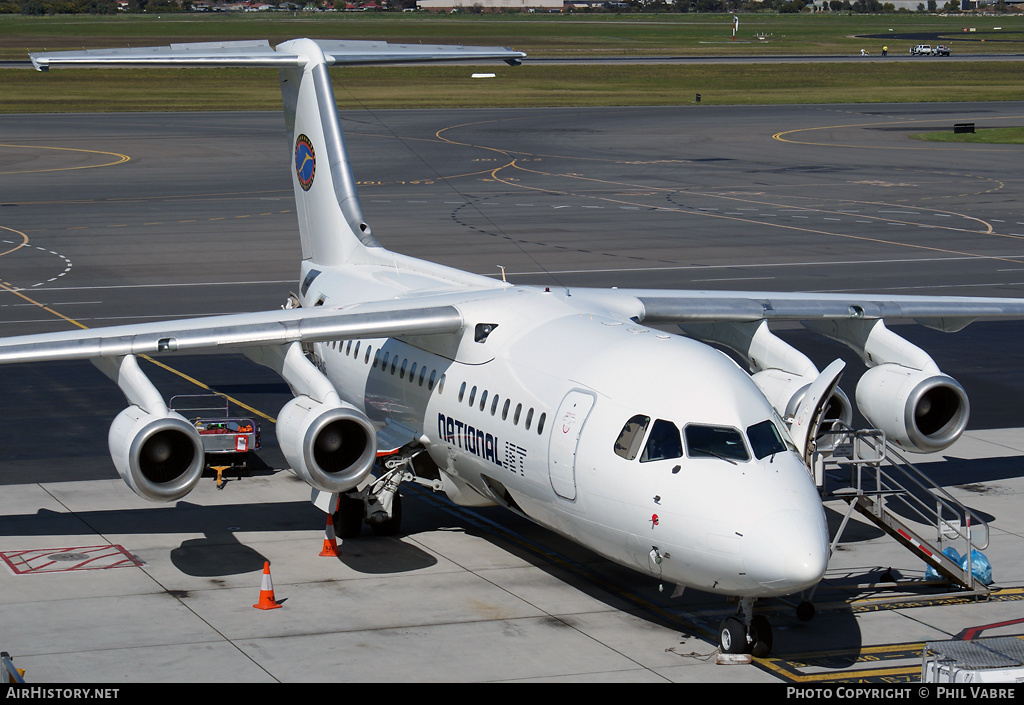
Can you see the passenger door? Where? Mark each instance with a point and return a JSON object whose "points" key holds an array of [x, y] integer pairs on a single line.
{"points": [[565, 438]]}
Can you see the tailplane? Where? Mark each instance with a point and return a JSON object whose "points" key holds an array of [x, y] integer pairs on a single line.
{"points": [[332, 228]]}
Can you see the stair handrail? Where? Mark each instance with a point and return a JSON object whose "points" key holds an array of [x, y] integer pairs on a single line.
{"points": [[943, 499]]}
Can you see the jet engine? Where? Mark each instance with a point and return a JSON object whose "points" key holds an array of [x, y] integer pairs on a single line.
{"points": [[919, 410], [160, 456], [331, 447]]}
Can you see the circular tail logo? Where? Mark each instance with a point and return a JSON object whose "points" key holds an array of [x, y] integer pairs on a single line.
{"points": [[305, 162]]}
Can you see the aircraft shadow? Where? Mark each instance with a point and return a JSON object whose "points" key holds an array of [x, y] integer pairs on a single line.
{"points": [[220, 553], [695, 614], [978, 476]]}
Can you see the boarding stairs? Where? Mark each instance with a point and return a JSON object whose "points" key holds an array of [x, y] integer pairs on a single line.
{"points": [[894, 495]]}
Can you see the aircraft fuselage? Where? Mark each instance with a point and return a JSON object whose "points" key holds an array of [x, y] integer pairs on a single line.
{"points": [[529, 407]]}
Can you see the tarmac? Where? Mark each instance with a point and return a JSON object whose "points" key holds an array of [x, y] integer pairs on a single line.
{"points": [[103, 587]]}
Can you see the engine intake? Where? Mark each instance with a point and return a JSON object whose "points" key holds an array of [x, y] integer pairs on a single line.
{"points": [[160, 457], [332, 448], [918, 410]]}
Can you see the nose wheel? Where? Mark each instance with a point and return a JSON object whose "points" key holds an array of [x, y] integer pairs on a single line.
{"points": [[746, 633]]}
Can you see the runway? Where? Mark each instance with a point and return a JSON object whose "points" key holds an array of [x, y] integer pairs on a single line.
{"points": [[119, 218]]}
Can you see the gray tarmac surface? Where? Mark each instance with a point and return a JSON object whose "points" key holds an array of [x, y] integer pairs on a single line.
{"points": [[118, 218]]}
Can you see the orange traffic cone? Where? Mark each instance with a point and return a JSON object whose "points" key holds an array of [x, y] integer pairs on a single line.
{"points": [[267, 601], [330, 540]]}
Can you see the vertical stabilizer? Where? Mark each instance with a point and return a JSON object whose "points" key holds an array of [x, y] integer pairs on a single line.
{"points": [[331, 224]]}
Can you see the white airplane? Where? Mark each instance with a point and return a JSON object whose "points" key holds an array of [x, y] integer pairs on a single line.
{"points": [[655, 450]]}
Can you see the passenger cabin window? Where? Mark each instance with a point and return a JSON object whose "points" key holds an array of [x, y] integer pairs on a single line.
{"points": [[765, 439], [627, 445], [663, 443], [715, 442]]}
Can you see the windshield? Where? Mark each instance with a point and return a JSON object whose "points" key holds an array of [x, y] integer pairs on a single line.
{"points": [[765, 439], [715, 442], [663, 443]]}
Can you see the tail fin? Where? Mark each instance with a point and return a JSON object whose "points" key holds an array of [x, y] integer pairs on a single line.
{"points": [[331, 223]]}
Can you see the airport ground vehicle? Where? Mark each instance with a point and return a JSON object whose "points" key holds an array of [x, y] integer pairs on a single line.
{"points": [[921, 50], [227, 440]]}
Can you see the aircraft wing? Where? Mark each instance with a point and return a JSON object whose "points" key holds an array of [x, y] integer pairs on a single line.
{"points": [[260, 53], [233, 331], [946, 313]]}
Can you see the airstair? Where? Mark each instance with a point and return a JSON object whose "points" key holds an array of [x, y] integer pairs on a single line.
{"points": [[894, 495]]}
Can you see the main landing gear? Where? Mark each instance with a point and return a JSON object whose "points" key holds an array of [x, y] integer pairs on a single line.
{"points": [[379, 503], [746, 632]]}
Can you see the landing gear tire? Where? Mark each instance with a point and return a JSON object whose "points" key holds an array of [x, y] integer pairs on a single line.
{"points": [[392, 525], [732, 637], [760, 636], [348, 520]]}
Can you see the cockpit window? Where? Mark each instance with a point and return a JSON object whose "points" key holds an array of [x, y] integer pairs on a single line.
{"points": [[765, 439], [627, 445], [663, 443], [715, 442]]}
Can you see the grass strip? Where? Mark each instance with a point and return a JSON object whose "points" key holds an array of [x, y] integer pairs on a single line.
{"points": [[988, 135], [121, 90], [539, 34]]}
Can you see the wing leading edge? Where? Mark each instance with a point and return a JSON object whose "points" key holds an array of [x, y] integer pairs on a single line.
{"points": [[946, 313], [261, 54], [232, 331]]}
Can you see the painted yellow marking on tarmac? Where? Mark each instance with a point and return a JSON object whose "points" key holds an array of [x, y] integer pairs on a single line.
{"points": [[23, 243], [119, 159], [861, 238], [516, 164], [159, 364], [936, 146]]}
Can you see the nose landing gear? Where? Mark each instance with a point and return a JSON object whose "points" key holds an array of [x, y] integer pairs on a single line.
{"points": [[746, 633]]}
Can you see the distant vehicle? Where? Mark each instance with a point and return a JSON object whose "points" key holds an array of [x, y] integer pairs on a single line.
{"points": [[921, 50], [941, 50]]}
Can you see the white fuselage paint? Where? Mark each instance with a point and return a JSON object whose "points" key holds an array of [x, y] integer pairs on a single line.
{"points": [[500, 418]]}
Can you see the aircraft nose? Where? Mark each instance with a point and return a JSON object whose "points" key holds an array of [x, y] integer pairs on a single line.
{"points": [[787, 550]]}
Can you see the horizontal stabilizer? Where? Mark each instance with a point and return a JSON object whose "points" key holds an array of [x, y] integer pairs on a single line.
{"points": [[260, 53]]}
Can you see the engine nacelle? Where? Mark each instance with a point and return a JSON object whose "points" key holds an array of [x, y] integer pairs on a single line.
{"points": [[332, 448], [160, 457], [919, 410], [785, 391]]}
